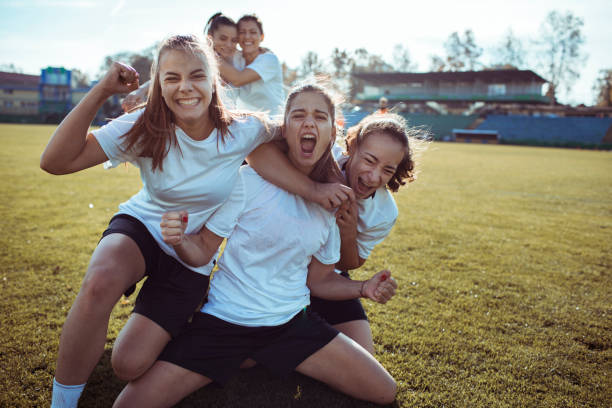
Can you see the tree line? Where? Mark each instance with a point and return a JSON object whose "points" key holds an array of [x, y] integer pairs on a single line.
{"points": [[555, 53]]}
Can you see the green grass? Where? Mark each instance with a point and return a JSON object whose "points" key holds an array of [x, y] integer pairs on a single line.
{"points": [[502, 254]]}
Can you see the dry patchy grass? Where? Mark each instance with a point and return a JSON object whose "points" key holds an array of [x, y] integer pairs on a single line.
{"points": [[502, 254]]}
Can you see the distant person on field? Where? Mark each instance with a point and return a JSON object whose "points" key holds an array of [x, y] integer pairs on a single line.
{"points": [[382, 106]]}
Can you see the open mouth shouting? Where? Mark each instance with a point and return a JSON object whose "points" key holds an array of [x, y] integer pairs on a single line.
{"points": [[308, 142]]}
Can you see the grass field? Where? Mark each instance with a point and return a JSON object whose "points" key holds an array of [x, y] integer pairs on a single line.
{"points": [[503, 256]]}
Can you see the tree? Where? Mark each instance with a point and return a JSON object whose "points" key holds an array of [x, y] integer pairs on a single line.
{"points": [[462, 54], [341, 62], [11, 68], [363, 61], [509, 52], [79, 79], [140, 61], [560, 52], [311, 65], [603, 88], [401, 59]]}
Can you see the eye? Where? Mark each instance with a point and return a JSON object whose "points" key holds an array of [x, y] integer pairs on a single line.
{"points": [[321, 117]]}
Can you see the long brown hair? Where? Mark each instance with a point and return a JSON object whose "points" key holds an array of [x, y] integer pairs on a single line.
{"points": [[396, 127], [326, 169], [153, 133]]}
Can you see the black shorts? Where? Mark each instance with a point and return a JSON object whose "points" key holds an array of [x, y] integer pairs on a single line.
{"points": [[215, 348], [172, 292], [338, 311]]}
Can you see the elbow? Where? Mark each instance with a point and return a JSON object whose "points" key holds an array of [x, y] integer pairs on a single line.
{"points": [[47, 166]]}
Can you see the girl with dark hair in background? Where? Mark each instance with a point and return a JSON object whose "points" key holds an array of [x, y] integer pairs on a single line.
{"points": [[258, 74]]}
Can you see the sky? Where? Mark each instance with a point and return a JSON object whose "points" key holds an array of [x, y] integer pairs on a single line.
{"points": [[35, 34]]}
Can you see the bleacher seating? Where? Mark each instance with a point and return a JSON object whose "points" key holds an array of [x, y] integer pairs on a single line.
{"points": [[440, 126], [548, 130]]}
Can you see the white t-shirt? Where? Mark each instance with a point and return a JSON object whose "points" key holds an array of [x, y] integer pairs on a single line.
{"points": [[377, 214], [265, 94], [272, 236], [197, 176]]}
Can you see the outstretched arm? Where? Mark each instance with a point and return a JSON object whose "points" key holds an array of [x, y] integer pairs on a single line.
{"points": [[327, 284], [71, 148], [236, 77], [194, 249], [270, 163]]}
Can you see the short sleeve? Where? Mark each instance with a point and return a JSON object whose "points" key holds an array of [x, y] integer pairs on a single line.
{"points": [[329, 253], [110, 139], [259, 133], [266, 65], [224, 219], [368, 239]]}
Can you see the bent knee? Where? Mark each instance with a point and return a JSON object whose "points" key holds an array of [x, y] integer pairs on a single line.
{"points": [[102, 285], [128, 369]]}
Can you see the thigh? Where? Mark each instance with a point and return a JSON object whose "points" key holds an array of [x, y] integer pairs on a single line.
{"points": [[163, 385], [345, 365], [358, 330], [137, 347]]}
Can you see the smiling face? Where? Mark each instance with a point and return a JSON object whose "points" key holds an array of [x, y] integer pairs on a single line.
{"points": [[249, 36], [224, 41], [186, 87], [373, 163], [308, 130]]}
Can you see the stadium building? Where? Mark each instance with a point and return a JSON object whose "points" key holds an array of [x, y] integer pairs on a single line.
{"points": [[44, 98], [490, 106]]}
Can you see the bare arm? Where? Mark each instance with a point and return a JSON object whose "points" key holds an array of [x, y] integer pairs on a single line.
{"points": [[347, 217], [270, 163], [194, 249], [236, 77], [70, 148], [323, 282]]}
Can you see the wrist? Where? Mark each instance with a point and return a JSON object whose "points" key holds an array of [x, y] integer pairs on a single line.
{"points": [[361, 294]]}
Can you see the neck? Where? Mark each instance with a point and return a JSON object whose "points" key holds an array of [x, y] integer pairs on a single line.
{"points": [[250, 56], [302, 169], [197, 130]]}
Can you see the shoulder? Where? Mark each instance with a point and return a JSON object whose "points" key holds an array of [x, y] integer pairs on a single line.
{"points": [[246, 123], [267, 57], [384, 205], [125, 121]]}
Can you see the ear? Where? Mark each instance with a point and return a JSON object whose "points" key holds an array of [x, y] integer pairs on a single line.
{"points": [[262, 38]]}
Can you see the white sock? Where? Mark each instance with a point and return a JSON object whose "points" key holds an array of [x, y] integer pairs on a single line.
{"points": [[65, 396]]}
